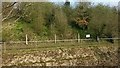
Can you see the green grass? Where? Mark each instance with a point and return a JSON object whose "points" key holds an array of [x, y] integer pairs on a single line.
{"points": [[21, 48], [16, 31]]}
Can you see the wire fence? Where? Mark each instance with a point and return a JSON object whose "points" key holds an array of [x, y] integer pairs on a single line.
{"points": [[55, 40], [17, 45]]}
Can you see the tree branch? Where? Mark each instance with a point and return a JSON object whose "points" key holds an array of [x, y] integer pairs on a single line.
{"points": [[10, 5], [8, 14]]}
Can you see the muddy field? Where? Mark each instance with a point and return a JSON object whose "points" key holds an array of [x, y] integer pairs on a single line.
{"points": [[74, 56]]}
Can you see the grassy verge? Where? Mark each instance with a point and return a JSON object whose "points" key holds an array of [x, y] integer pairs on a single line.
{"points": [[21, 48]]}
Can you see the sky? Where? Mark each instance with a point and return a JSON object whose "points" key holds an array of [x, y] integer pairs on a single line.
{"points": [[105, 2]]}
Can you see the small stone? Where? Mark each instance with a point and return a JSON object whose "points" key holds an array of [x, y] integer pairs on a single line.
{"points": [[48, 58], [85, 55], [49, 64]]}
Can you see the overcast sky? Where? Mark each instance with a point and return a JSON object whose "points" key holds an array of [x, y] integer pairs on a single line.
{"points": [[106, 2]]}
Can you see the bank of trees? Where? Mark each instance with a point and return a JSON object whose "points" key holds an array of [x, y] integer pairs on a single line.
{"points": [[47, 19]]}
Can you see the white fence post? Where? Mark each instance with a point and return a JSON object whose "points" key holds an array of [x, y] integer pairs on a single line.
{"points": [[55, 38], [78, 38], [98, 39], [4, 45], [26, 40]]}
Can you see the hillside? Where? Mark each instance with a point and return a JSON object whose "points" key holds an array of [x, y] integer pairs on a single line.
{"points": [[48, 34], [66, 22]]}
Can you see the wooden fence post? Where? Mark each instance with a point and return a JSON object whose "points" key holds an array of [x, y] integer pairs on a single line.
{"points": [[26, 40], [78, 38], [98, 39], [55, 38], [4, 45]]}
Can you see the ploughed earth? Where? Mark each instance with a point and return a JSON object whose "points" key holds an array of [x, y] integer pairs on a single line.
{"points": [[75, 56]]}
